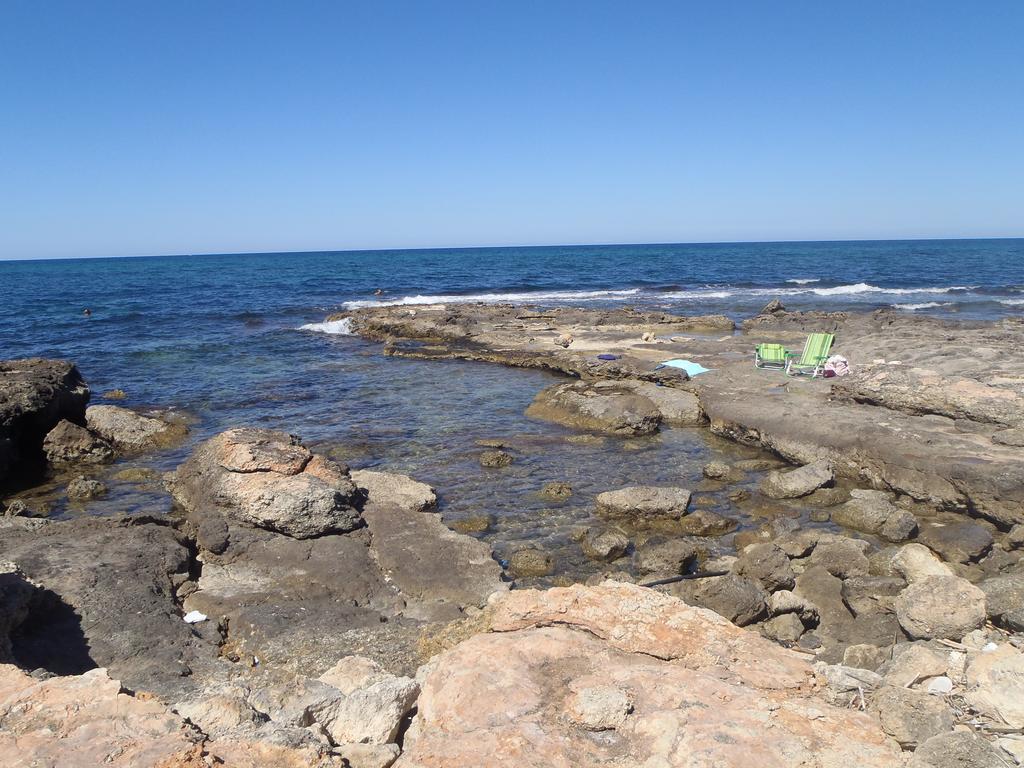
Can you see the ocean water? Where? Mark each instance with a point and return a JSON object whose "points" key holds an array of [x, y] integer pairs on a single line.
{"points": [[241, 339]]}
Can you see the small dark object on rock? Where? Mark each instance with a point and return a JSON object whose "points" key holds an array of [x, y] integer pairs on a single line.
{"points": [[87, 312]]}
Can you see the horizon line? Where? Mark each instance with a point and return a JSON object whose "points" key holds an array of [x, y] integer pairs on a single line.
{"points": [[499, 247]]}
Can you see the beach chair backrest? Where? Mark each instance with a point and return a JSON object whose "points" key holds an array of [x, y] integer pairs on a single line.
{"points": [[817, 348], [772, 352]]}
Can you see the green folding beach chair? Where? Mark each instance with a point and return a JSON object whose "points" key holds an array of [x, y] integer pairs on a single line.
{"points": [[811, 362], [770, 356]]}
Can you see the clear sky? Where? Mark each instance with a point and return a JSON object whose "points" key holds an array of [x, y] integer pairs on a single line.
{"points": [[145, 127]]}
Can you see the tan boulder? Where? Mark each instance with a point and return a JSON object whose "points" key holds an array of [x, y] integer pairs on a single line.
{"points": [[619, 675]]}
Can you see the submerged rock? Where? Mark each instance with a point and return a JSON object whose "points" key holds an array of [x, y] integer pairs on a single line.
{"points": [[270, 480], [530, 562], [495, 459], [84, 489], [605, 544], [556, 491]]}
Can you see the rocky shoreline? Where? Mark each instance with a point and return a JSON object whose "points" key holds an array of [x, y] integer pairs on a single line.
{"points": [[291, 611]]}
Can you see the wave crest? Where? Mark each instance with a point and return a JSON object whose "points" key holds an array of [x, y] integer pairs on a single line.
{"points": [[341, 327]]}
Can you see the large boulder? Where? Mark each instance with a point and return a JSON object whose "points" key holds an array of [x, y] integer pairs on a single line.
{"points": [[911, 717], [599, 406], [995, 685], [940, 607], [915, 562], [873, 512], [621, 675], [766, 564], [640, 504], [35, 394], [677, 406], [1004, 596], [740, 600], [270, 480], [957, 749], [791, 484], [395, 489], [132, 432]]}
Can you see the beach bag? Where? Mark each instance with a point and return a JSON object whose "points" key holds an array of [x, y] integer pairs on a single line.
{"points": [[837, 365]]}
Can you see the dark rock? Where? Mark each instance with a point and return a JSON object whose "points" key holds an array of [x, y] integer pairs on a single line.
{"points": [[471, 524], [556, 491], [669, 557], [871, 594], [841, 557], [703, 522], [605, 544], [766, 564], [83, 488], [35, 394], [530, 562], [495, 459], [785, 628], [740, 600], [827, 497], [69, 443], [1012, 437], [957, 542], [16, 595], [772, 307], [873, 512], [1003, 595]]}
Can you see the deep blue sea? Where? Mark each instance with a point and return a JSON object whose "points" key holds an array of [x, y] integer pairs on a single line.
{"points": [[221, 337]]}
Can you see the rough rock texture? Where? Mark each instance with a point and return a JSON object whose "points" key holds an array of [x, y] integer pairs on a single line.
{"points": [[600, 406], [873, 512], [620, 675], [604, 544], [677, 406], [270, 480], [68, 443], [957, 542], [911, 717], [35, 395], [791, 484], [87, 720], [393, 488], [106, 598], [741, 601], [995, 681], [940, 607], [16, 595], [641, 503], [1004, 595], [130, 431], [915, 562], [959, 749], [766, 564], [84, 488]]}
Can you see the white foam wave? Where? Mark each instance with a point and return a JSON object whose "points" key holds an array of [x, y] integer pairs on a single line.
{"points": [[843, 290], [804, 280], [923, 305], [341, 327], [1012, 302], [497, 298], [708, 294]]}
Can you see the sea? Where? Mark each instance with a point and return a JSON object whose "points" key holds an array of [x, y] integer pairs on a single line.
{"points": [[241, 339]]}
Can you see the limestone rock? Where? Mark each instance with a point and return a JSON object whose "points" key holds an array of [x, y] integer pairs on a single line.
{"points": [[270, 480], [871, 594], [912, 663], [88, 720], [644, 667], [841, 557], [373, 714], [529, 562], [784, 601], [958, 749], [399, 490], [794, 483], [131, 431], [872, 512], [69, 443], [940, 607], [911, 717], [495, 459], [556, 491], [669, 557], [704, 522], [741, 601], [676, 406], [640, 504], [599, 406], [995, 685], [915, 562], [785, 628], [1004, 595]]}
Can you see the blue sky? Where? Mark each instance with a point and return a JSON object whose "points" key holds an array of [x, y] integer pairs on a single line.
{"points": [[195, 127]]}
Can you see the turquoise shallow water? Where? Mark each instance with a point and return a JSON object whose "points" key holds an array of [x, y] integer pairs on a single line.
{"points": [[221, 337]]}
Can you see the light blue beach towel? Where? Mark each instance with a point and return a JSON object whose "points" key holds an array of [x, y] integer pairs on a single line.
{"points": [[689, 366]]}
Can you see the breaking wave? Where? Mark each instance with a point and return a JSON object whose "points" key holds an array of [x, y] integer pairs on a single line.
{"points": [[497, 298], [341, 327]]}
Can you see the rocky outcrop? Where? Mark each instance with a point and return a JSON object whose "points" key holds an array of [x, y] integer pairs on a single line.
{"points": [[617, 674], [599, 406], [69, 444], [35, 395], [395, 489], [133, 432], [269, 480], [940, 606]]}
